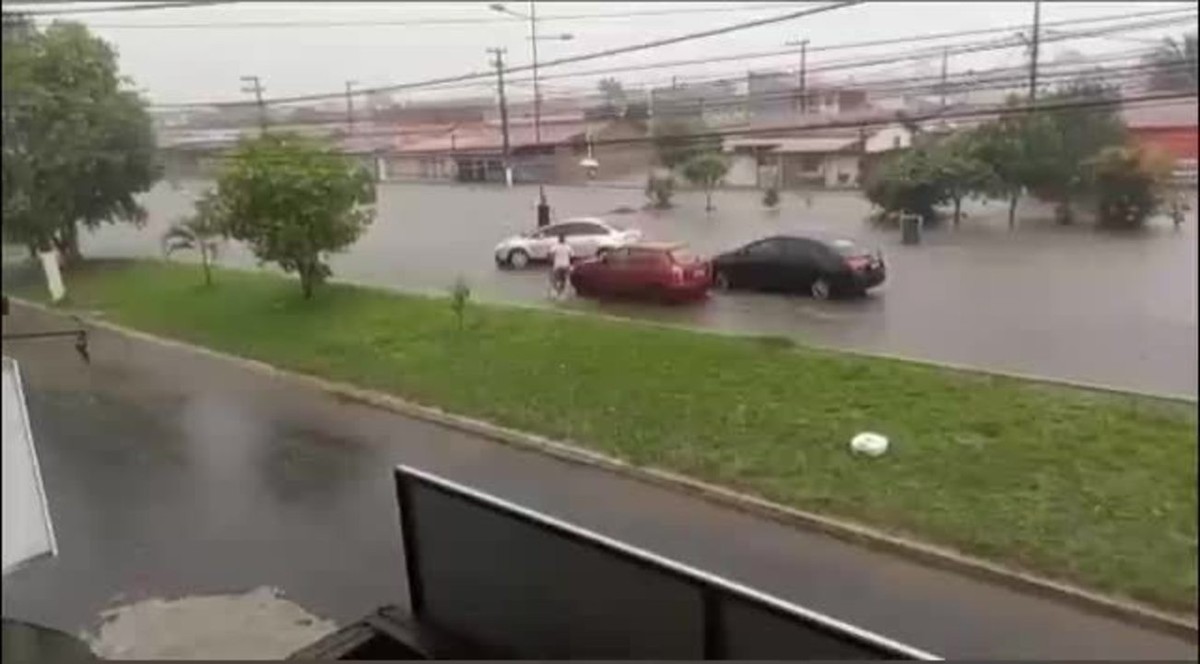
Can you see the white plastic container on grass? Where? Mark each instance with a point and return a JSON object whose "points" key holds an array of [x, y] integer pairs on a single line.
{"points": [[869, 443]]}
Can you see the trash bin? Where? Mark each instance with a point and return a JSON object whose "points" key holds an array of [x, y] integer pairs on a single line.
{"points": [[910, 225]]}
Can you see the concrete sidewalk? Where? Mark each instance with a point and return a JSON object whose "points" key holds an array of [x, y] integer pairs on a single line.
{"points": [[172, 474]]}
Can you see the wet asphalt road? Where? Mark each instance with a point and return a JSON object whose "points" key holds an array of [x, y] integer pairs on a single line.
{"points": [[172, 474], [1067, 303]]}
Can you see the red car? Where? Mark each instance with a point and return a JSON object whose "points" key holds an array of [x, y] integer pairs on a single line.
{"points": [[664, 272]]}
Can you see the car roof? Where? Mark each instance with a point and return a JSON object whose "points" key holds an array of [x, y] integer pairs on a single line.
{"points": [[587, 220], [657, 246], [824, 237]]}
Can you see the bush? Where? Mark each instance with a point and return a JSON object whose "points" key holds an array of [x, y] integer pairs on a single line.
{"points": [[1130, 183], [460, 295], [659, 189], [771, 197]]}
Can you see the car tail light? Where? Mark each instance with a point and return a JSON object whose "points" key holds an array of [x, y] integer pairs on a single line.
{"points": [[858, 262], [676, 274]]}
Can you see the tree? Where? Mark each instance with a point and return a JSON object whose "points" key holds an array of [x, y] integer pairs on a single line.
{"points": [[706, 170], [1173, 64], [959, 171], [1014, 147], [1130, 182], [1072, 136], [201, 232], [908, 182], [77, 147], [615, 101], [677, 141], [293, 200]]}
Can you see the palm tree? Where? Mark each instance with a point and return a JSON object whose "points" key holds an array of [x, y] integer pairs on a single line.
{"points": [[202, 232], [1174, 64]]}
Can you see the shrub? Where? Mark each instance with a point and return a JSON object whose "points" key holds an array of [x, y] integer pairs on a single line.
{"points": [[771, 197], [659, 189], [1130, 183]]}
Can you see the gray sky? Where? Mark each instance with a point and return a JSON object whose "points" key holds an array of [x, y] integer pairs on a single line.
{"points": [[204, 64]]}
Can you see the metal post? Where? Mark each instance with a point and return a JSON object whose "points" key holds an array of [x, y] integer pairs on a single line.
{"points": [[350, 106], [537, 95], [1033, 59], [804, 76], [945, 60], [499, 52], [257, 89]]}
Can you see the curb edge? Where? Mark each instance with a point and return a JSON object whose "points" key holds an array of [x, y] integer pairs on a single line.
{"points": [[1185, 627]]}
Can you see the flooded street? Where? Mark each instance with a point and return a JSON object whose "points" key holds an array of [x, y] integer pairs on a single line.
{"points": [[1063, 302]]}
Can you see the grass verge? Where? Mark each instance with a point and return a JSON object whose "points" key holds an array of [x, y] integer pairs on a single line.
{"points": [[1093, 488]]}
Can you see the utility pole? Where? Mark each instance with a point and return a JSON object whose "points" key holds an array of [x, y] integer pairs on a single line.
{"points": [[945, 62], [1033, 47], [350, 106], [499, 53], [257, 89], [537, 94], [802, 77]]}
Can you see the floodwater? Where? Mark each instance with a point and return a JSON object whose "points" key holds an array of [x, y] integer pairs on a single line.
{"points": [[1063, 302]]}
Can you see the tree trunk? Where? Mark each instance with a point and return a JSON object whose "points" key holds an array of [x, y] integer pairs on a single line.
{"points": [[204, 260], [957, 210], [708, 200], [1066, 214], [67, 243], [1013, 198]]}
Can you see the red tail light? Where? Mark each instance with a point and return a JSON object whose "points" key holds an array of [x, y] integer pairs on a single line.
{"points": [[858, 262]]}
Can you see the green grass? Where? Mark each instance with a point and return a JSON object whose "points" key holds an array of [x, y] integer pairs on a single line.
{"points": [[1093, 488]]}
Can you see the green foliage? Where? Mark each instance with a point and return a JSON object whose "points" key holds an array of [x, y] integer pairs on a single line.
{"points": [[615, 101], [771, 197], [907, 182], [678, 141], [959, 171], [77, 148], [1174, 64], [202, 232], [706, 170], [460, 295], [1064, 482], [1012, 146], [1130, 183], [660, 187], [293, 200], [1071, 137]]}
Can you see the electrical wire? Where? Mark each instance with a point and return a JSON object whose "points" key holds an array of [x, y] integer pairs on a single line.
{"points": [[430, 21], [745, 25], [125, 7]]}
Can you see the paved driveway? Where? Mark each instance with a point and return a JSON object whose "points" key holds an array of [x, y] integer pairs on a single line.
{"points": [[1068, 303]]}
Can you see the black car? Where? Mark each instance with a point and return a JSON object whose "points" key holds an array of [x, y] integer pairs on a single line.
{"points": [[820, 266]]}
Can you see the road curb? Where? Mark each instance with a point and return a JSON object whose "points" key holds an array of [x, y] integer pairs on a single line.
{"points": [[1127, 610]]}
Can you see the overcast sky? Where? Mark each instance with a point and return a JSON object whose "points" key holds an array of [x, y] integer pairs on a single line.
{"points": [[174, 64]]}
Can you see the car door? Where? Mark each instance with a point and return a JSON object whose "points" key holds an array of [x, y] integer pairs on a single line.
{"points": [[612, 274], [800, 265], [541, 241], [758, 264]]}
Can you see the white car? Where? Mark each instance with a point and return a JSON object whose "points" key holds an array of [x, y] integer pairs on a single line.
{"points": [[588, 236]]}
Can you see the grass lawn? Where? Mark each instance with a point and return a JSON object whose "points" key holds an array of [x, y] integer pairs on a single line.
{"points": [[1096, 489]]}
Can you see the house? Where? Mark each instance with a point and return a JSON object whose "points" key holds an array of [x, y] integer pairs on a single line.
{"points": [[551, 153], [829, 158], [1167, 127]]}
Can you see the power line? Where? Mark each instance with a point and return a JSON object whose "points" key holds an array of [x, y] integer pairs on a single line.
{"points": [[118, 8], [561, 61], [426, 21], [472, 80]]}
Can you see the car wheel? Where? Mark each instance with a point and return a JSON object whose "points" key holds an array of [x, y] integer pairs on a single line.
{"points": [[602, 252], [721, 280], [518, 258], [820, 289]]}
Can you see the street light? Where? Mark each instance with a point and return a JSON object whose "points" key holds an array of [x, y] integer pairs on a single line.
{"points": [[533, 39]]}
